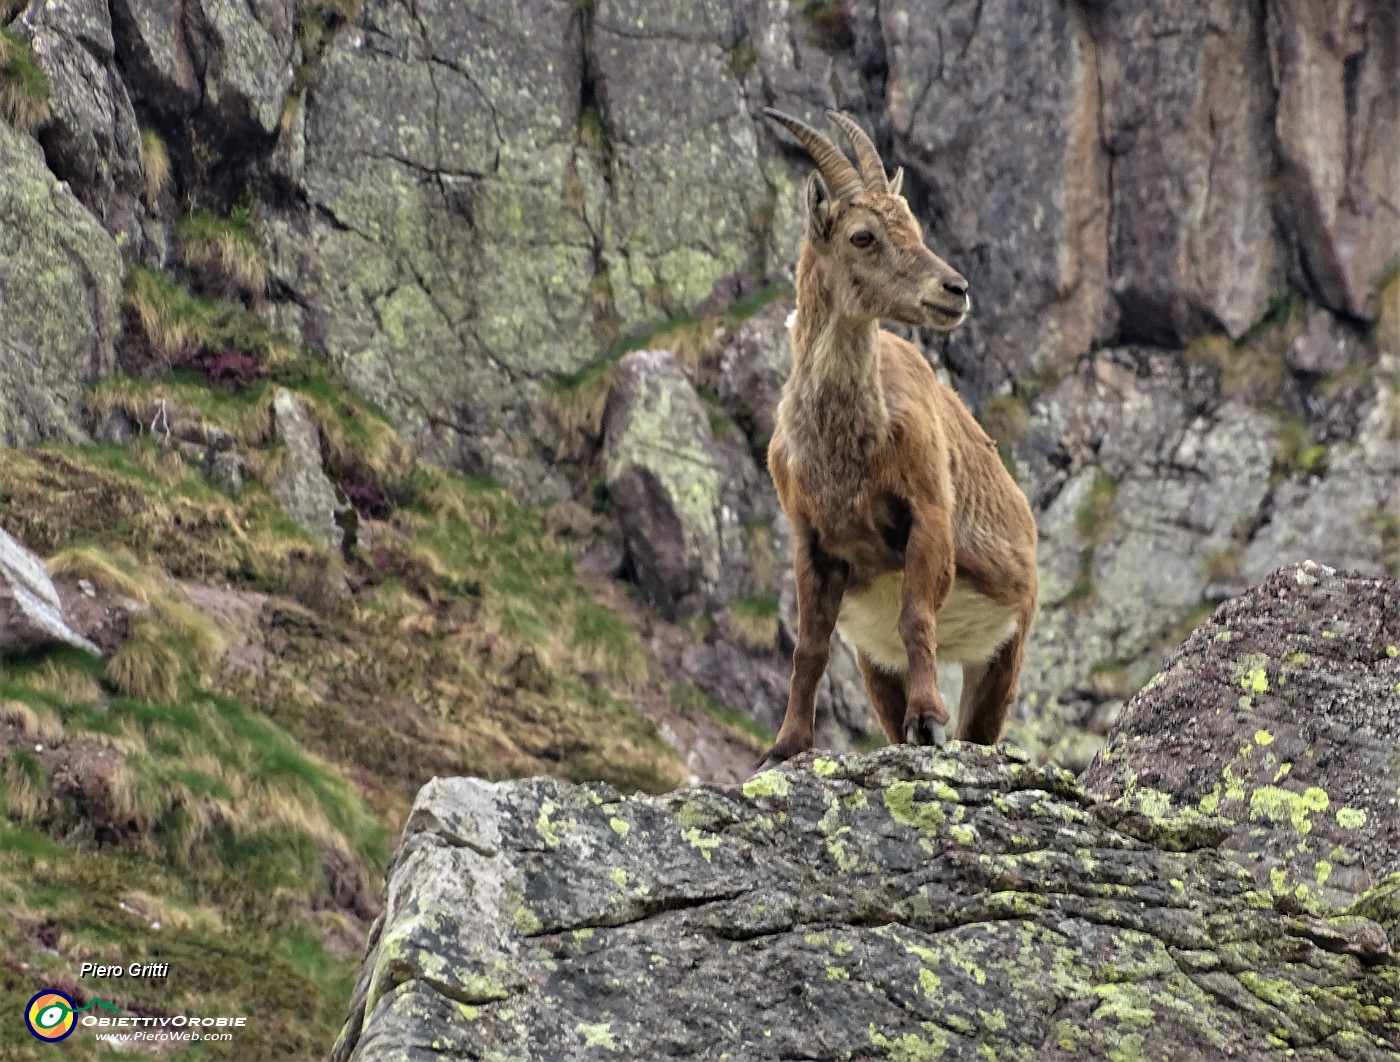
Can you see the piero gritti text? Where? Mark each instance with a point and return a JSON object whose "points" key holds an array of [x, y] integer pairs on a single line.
{"points": [[157, 970]]}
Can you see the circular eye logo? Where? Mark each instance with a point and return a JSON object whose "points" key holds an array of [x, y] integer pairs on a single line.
{"points": [[49, 1016]]}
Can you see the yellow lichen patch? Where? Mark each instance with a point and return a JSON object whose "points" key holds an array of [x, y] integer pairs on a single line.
{"points": [[706, 843], [767, 784], [1263, 737], [619, 826], [1256, 680], [907, 810], [1351, 818], [599, 1035], [825, 768], [546, 827], [1278, 805]]}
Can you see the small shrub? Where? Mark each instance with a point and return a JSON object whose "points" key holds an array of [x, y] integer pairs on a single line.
{"points": [[155, 166], [226, 249], [229, 367], [24, 87], [369, 501], [1296, 452], [593, 131]]}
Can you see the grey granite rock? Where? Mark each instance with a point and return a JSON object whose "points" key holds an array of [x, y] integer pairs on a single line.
{"points": [[908, 904], [31, 610]]}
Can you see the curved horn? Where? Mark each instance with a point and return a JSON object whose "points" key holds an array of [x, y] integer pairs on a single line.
{"points": [[872, 168], [830, 159]]}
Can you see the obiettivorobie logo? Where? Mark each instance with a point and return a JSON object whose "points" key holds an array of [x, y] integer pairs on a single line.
{"points": [[52, 1016]]}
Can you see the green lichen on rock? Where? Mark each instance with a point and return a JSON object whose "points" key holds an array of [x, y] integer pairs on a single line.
{"points": [[1055, 925], [1303, 769], [60, 286]]}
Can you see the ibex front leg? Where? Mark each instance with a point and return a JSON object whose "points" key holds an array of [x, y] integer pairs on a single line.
{"points": [[928, 576], [821, 583]]}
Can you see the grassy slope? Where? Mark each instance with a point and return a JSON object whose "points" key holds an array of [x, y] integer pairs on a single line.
{"points": [[464, 644]]}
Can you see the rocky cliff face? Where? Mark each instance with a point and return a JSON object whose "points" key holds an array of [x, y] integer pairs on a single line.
{"points": [[1180, 221], [960, 903]]}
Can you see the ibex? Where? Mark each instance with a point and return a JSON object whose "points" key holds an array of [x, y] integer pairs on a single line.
{"points": [[909, 535]]}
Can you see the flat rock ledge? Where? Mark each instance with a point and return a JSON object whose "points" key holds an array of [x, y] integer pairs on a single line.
{"points": [[909, 904]]}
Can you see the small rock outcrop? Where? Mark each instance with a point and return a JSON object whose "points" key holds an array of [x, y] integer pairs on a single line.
{"points": [[668, 477], [60, 287], [1281, 713], [31, 610], [909, 904], [302, 486]]}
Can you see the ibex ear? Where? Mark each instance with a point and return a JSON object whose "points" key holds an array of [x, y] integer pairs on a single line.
{"points": [[818, 209], [896, 181]]}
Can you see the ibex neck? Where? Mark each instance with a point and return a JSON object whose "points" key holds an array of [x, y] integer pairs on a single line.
{"points": [[835, 384]]}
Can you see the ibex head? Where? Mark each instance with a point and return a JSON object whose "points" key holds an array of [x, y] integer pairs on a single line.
{"points": [[866, 237]]}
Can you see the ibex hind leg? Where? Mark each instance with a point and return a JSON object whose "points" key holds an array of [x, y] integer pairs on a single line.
{"points": [[988, 690], [887, 695]]}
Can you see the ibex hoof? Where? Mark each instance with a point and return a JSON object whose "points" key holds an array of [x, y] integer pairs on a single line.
{"points": [[775, 756], [924, 730]]}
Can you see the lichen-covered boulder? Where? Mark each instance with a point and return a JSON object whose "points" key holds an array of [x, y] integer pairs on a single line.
{"points": [[31, 608], [60, 292], [753, 368], [909, 904], [301, 485], [231, 62], [1281, 713], [91, 140], [665, 475]]}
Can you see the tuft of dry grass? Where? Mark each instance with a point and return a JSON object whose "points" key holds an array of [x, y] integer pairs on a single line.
{"points": [[35, 721], [763, 558], [1005, 418], [74, 685], [155, 166], [24, 87], [1223, 565], [25, 792], [754, 622], [147, 667], [1387, 332], [227, 249], [103, 570], [578, 404], [172, 320], [1252, 369]]}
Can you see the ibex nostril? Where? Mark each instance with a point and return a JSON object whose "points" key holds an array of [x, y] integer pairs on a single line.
{"points": [[955, 287]]}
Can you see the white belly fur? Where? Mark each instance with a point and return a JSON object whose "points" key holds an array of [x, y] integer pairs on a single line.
{"points": [[971, 627]]}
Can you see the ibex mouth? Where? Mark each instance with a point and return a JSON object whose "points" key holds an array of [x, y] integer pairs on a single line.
{"points": [[945, 318]]}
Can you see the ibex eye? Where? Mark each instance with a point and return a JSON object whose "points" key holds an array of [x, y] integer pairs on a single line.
{"points": [[862, 238]]}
